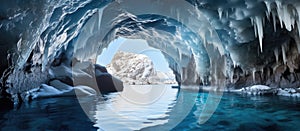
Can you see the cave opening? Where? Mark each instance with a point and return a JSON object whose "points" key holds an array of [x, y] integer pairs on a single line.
{"points": [[134, 62]]}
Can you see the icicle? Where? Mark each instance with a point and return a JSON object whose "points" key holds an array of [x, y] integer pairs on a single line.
{"points": [[19, 44], [283, 54], [274, 21], [268, 16], [252, 21], [178, 15], [215, 73], [231, 76], [227, 14], [287, 19], [180, 54], [253, 74], [220, 11], [260, 32], [276, 54], [279, 12], [268, 5], [255, 31], [234, 64]]}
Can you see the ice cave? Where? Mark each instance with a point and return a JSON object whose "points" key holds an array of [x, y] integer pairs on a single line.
{"points": [[62, 60]]}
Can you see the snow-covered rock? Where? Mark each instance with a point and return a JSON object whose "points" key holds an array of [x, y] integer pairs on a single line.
{"points": [[57, 88], [137, 69], [288, 92], [257, 90], [264, 90]]}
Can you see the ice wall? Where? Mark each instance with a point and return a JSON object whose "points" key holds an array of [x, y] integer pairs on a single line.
{"points": [[224, 40]]}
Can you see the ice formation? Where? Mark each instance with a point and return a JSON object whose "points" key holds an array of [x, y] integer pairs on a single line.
{"points": [[207, 42]]}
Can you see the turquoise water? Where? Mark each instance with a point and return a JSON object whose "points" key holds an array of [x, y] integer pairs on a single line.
{"points": [[173, 109], [241, 112]]}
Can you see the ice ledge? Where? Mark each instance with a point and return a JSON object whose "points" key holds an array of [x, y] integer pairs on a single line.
{"points": [[266, 90]]}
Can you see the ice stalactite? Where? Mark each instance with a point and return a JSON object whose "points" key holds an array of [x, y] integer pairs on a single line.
{"points": [[274, 21], [231, 77], [253, 74], [260, 32], [283, 50], [288, 18], [234, 64], [220, 12], [279, 12], [268, 5], [276, 53]]}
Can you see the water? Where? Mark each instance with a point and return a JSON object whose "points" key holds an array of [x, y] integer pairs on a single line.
{"points": [[166, 108], [63, 113]]}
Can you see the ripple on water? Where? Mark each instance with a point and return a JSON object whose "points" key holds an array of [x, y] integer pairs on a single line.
{"points": [[235, 112]]}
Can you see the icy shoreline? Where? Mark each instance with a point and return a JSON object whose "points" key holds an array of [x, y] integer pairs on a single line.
{"points": [[58, 89], [266, 90]]}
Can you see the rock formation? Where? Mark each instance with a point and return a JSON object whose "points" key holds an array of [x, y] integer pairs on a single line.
{"points": [[137, 69]]}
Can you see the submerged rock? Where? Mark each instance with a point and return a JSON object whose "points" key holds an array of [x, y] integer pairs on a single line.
{"points": [[87, 74], [62, 80], [107, 83]]}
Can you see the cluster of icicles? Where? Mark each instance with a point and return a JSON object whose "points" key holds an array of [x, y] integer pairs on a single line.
{"points": [[287, 15]]}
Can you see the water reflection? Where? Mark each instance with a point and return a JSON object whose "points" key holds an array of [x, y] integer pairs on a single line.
{"points": [[172, 110], [136, 107], [63, 113]]}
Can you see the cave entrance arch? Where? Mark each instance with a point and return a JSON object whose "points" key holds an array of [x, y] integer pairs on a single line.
{"points": [[100, 30]]}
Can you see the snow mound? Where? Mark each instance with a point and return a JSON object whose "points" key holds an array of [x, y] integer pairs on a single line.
{"points": [[265, 90], [288, 92], [57, 88], [257, 90]]}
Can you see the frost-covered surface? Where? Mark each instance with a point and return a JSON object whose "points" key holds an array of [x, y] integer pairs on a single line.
{"points": [[20, 82], [137, 69]]}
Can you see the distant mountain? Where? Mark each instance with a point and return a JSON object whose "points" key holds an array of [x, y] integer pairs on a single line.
{"points": [[137, 69]]}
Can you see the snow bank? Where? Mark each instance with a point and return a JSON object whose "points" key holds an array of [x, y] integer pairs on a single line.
{"points": [[288, 92], [256, 90], [263, 90], [57, 88]]}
